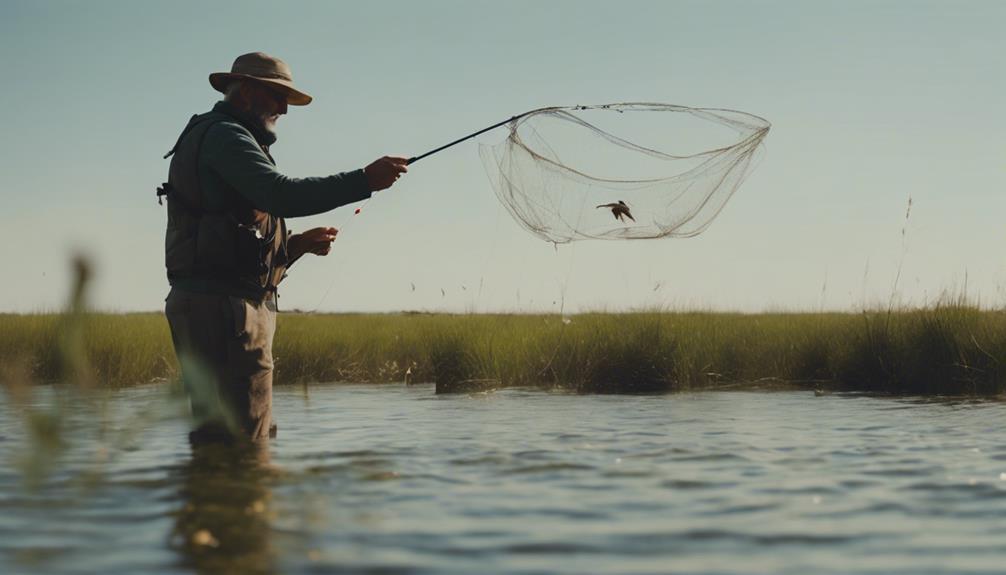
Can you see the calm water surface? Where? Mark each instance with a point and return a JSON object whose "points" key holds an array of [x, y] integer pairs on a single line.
{"points": [[393, 479]]}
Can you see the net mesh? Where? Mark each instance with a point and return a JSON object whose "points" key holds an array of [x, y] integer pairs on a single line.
{"points": [[622, 171]]}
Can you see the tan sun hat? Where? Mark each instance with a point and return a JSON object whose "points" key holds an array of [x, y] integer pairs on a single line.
{"points": [[263, 68]]}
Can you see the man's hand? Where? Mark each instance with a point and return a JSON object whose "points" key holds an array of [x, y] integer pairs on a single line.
{"points": [[383, 172], [317, 241]]}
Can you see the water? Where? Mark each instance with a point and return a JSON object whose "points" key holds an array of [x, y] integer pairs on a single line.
{"points": [[393, 479]]}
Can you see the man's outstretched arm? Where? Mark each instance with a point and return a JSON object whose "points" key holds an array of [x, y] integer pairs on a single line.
{"points": [[234, 156]]}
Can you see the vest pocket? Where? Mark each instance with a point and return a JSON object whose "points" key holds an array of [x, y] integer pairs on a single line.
{"points": [[251, 252], [215, 245], [180, 250], [226, 249]]}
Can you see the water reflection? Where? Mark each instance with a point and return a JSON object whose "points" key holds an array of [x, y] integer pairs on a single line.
{"points": [[223, 525]]}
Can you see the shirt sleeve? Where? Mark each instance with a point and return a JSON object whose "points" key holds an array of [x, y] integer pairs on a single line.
{"points": [[233, 155]]}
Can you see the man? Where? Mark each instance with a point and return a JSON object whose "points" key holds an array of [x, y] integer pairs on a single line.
{"points": [[227, 246]]}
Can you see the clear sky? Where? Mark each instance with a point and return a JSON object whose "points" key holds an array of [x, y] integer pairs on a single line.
{"points": [[871, 102]]}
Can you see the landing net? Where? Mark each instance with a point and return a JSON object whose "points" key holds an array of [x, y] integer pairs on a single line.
{"points": [[622, 171]]}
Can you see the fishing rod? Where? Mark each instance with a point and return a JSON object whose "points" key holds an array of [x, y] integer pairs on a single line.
{"points": [[416, 159], [468, 137]]}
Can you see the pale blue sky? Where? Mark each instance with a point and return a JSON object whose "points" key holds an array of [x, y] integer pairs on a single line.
{"points": [[871, 102]]}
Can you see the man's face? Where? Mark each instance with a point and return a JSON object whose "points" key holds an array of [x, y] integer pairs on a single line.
{"points": [[267, 105]]}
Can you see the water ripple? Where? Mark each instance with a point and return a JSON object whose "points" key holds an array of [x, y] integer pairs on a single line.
{"points": [[389, 479]]}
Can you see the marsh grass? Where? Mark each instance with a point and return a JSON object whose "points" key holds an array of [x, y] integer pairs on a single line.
{"points": [[946, 349], [111, 349]]}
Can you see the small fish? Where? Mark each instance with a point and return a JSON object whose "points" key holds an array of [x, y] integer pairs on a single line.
{"points": [[619, 210]]}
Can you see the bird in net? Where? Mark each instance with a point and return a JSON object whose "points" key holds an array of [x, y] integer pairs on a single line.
{"points": [[620, 171]]}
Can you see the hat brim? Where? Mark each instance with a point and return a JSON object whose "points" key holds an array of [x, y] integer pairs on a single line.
{"points": [[294, 97]]}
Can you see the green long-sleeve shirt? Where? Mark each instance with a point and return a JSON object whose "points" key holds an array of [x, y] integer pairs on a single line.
{"points": [[230, 157]]}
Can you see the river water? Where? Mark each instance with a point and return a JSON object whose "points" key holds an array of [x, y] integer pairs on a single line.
{"points": [[394, 479]]}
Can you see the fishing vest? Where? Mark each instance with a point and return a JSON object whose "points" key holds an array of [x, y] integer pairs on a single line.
{"points": [[237, 249]]}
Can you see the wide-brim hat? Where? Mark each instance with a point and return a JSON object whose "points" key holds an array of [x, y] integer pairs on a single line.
{"points": [[262, 68]]}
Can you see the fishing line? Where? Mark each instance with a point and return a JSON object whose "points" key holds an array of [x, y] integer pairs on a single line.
{"points": [[339, 230]]}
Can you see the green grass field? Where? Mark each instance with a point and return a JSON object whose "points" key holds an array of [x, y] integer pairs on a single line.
{"points": [[948, 349]]}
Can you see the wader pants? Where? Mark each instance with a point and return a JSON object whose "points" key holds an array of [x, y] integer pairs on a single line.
{"points": [[224, 346]]}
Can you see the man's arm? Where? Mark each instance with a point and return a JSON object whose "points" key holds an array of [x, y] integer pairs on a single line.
{"points": [[235, 157]]}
